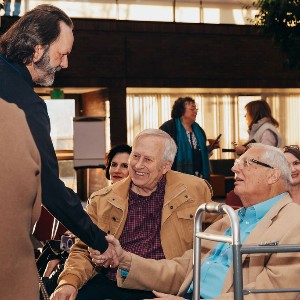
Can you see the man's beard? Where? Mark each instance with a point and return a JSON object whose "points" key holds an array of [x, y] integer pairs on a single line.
{"points": [[46, 72]]}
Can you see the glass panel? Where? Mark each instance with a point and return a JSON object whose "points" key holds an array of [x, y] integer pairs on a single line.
{"points": [[61, 113], [188, 11], [218, 113], [67, 174]]}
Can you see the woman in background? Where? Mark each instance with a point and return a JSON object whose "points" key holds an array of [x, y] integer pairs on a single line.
{"points": [[292, 154], [262, 126], [192, 155], [117, 163]]}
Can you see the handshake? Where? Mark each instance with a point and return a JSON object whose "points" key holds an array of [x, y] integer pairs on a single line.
{"points": [[112, 257]]}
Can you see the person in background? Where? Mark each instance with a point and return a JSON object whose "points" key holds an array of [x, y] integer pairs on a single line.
{"points": [[27, 61], [20, 205], [2, 4], [117, 163], [192, 155], [151, 212], [292, 154], [262, 179], [17, 8], [262, 126]]}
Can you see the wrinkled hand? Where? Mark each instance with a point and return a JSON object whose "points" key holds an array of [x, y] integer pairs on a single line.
{"points": [[162, 296], [101, 260], [65, 292], [106, 259]]}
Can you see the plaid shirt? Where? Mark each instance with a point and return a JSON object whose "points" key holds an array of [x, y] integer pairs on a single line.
{"points": [[141, 234]]}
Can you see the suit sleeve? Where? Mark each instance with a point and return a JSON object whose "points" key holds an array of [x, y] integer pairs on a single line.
{"points": [[61, 201], [161, 275]]}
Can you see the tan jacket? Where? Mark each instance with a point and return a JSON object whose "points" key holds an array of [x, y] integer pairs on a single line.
{"points": [[108, 209], [282, 223], [20, 204]]}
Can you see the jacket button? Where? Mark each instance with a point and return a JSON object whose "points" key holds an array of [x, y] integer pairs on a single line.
{"points": [[171, 207], [186, 196], [191, 216], [108, 232], [114, 219]]}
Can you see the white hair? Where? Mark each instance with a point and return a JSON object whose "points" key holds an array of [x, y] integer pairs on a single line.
{"points": [[170, 145], [275, 157]]}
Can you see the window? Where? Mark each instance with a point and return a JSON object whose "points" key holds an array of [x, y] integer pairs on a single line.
{"points": [[61, 113]]}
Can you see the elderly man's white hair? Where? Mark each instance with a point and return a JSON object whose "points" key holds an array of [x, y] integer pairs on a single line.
{"points": [[275, 157], [170, 145]]}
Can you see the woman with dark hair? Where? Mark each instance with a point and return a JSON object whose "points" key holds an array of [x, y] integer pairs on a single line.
{"points": [[262, 126], [192, 154], [117, 163], [292, 154]]}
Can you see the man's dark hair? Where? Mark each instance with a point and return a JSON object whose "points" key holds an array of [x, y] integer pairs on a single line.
{"points": [[122, 148], [178, 108], [40, 26]]}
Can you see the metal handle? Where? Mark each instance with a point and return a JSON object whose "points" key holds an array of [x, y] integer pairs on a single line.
{"points": [[234, 240]]}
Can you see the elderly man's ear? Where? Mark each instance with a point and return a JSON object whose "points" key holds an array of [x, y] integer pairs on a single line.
{"points": [[274, 176], [167, 167]]}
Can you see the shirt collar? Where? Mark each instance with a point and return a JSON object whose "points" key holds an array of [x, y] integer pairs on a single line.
{"points": [[260, 209], [161, 184]]}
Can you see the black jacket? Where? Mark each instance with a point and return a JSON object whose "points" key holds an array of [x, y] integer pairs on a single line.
{"points": [[16, 86]]}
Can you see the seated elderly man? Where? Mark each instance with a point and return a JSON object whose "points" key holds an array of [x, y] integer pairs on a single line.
{"points": [[262, 177], [151, 212]]}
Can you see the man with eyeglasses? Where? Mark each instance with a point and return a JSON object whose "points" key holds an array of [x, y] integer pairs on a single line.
{"points": [[262, 178]]}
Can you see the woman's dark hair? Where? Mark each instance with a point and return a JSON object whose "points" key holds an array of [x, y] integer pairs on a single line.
{"points": [[293, 150], [39, 26], [259, 109], [122, 148], [178, 108]]}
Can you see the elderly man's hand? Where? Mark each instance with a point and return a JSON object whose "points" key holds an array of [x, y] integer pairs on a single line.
{"points": [[101, 259], [65, 292], [107, 259], [162, 296]]}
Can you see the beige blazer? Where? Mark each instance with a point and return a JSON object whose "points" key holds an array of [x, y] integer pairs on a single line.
{"points": [[281, 223], [20, 203]]}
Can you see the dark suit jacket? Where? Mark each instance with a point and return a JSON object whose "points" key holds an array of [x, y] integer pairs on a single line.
{"points": [[16, 86]]}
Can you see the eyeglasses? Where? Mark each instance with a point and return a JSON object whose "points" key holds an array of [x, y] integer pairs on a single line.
{"points": [[193, 109], [246, 162], [290, 147]]}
